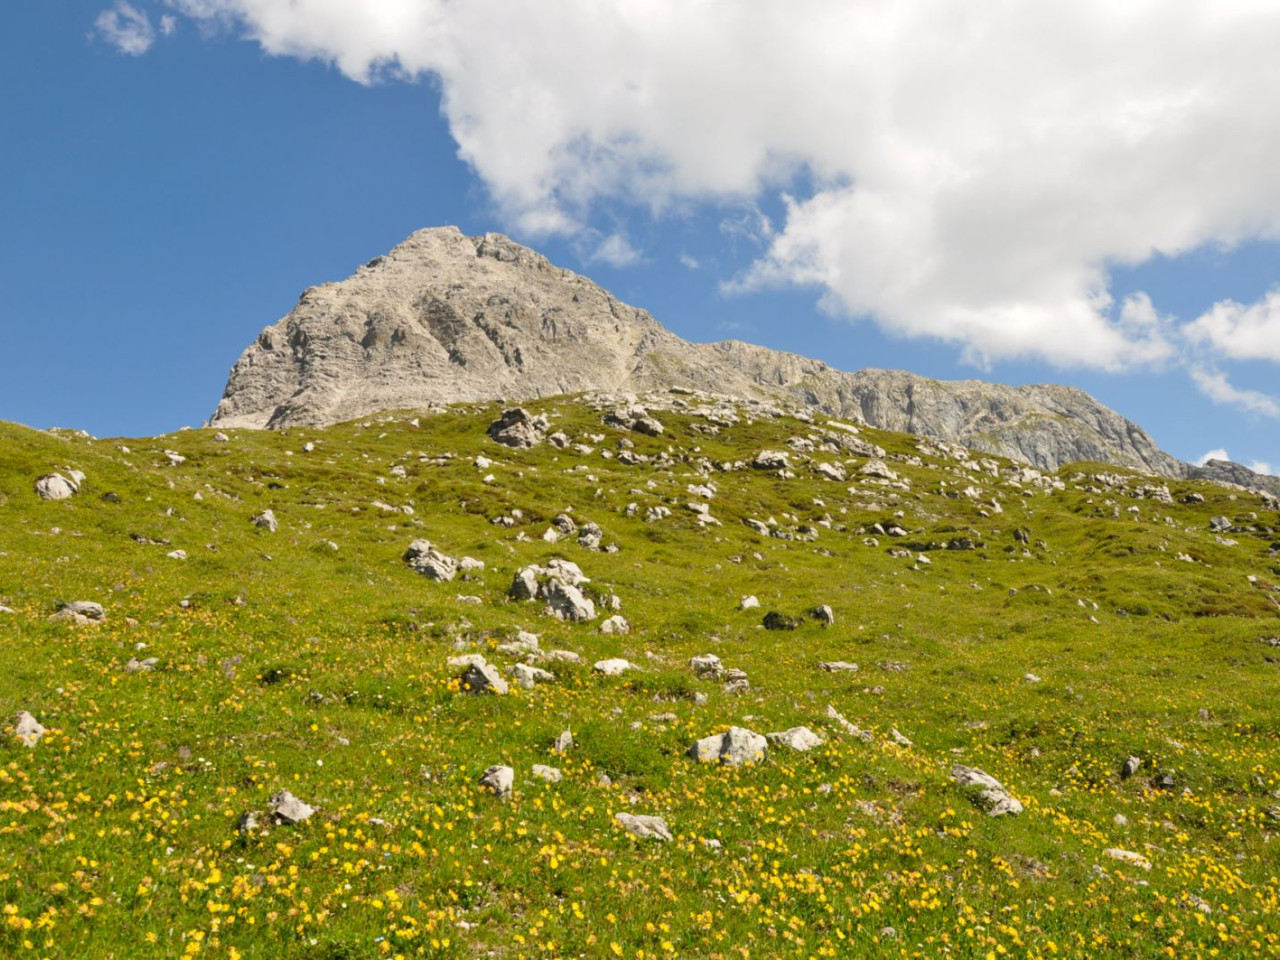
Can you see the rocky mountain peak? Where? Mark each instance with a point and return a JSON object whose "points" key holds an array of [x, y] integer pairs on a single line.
{"points": [[446, 318]]}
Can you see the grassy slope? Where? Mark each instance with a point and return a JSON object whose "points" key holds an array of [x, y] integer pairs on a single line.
{"points": [[296, 666]]}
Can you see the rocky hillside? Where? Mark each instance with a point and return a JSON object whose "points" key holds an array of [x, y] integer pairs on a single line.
{"points": [[445, 317], [679, 677]]}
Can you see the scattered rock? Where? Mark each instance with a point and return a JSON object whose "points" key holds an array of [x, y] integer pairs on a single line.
{"points": [[748, 603], [824, 615], [1130, 767], [736, 747], [499, 779], [528, 677], [617, 624], [797, 738], [771, 460], [989, 792], [519, 428], [707, 665], [28, 729], [80, 612], [483, 678], [141, 666], [549, 774], [563, 743], [613, 668], [430, 562], [646, 828], [837, 666], [852, 729], [266, 520], [1129, 857], [54, 486], [773, 620], [287, 809]]}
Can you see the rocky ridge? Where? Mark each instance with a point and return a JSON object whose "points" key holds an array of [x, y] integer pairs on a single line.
{"points": [[446, 318]]}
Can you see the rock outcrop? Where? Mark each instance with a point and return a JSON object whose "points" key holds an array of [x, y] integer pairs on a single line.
{"points": [[446, 318]]}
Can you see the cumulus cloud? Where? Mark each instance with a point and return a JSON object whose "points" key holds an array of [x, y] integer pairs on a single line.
{"points": [[126, 28], [615, 250], [1215, 385], [1241, 332], [1261, 466], [970, 172]]}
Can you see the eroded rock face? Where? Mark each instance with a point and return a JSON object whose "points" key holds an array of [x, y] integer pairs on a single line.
{"points": [[446, 318]]}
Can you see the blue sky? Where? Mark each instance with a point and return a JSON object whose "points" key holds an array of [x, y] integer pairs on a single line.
{"points": [[176, 172]]}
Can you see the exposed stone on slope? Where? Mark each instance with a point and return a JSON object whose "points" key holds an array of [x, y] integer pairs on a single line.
{"points": [[447, 318]]}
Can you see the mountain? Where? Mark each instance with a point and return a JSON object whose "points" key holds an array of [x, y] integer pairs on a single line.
{"points": [[445, 318]]}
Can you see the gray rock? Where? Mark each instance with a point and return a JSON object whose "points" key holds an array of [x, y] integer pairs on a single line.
{"points": [[430, 562], [519, 428], [525, 586], [797, 738], [500, 780], [851, 729], [549, 774], [987, 790], [80, 612], [707, 665], [736, 747], [616, 625], [266, 520], [134, 665], [750, 602], [1128, 857], [54, 486], [566, 602], [644, 827], [824, 615], [1130, 767], [28, 729], [483, 678], [288, 809], [528, 677], [771, 460], [837, 666], [614, 667], [563, 743]]}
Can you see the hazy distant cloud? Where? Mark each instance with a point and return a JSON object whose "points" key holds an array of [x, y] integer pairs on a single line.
{"points": [[1261, 466], [970, 171], [168, 25], [1214, 385], [1241, 332], [128, 29], [616, 251], [1218, 454]]}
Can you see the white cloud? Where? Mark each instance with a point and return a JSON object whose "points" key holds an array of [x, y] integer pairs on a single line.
{"points": [[168, 25], [1261, 466], [1214, 385], [1241, 332], [126, 28], [616, 251], [1219, 454], [689, 263], [975, 168]]}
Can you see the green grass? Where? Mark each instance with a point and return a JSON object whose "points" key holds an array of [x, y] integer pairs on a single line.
{"points": [[285, 664]]}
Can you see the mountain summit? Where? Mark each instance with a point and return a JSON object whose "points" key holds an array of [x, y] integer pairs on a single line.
{"points": [[445, 318]]}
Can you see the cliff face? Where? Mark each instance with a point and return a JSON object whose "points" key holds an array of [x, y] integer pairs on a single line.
{"points": [[445, 318]]}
